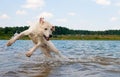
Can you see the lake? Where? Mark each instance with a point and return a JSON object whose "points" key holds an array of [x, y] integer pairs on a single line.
{"points": [[83, 58]]}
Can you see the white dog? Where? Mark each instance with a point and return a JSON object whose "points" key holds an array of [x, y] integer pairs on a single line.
{"points": [[39, 34]]}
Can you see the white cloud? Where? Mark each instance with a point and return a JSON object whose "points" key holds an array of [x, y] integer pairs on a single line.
{"points": [[117, 4], [113, 19], [45, 15], [62, 20], [21, 12], [72, 14], [34, 4], [4, 16], [103, 2]]}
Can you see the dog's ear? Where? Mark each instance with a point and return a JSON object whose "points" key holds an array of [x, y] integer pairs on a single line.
{"points": [[53, 28], [41, 20]]}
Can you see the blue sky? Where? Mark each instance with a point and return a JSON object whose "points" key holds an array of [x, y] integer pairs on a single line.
{"points": [[74, 14]]}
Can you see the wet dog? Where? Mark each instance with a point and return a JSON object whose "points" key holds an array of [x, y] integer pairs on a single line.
{"points": [[40, 34]]}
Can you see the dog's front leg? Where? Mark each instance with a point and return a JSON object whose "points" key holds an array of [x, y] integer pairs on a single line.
{"points": [[30, 52], [12, 40]]}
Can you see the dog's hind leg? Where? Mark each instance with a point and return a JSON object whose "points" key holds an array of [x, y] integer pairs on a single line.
{"points": [[18, 36], [57, 52], [54, 49], [46, 52]]}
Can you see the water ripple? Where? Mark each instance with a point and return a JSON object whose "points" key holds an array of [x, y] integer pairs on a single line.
{"points": [[81, 58]]}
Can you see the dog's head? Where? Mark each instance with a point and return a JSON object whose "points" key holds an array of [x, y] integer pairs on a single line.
{"points": [[46, 29]]}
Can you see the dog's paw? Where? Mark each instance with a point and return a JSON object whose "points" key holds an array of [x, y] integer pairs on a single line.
{"points": [[28, 54], [9, 43]]}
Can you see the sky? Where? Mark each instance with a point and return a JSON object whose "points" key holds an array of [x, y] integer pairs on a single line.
{"points": [[95, 15]]}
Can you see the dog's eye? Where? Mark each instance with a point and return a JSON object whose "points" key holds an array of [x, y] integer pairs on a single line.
{"points": [[45, 28]]}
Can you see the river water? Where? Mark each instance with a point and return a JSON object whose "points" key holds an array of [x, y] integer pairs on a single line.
{"points": [[83, 58]]}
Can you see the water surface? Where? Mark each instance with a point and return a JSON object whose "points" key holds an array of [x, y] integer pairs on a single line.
{"points": [[85, 59]]}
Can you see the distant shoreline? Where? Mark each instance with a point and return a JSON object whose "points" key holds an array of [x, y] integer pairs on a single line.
{"points": [[73, 37]]}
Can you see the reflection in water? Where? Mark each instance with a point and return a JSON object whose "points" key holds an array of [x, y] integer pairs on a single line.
{"points": [[84, 59], [35, 70]]}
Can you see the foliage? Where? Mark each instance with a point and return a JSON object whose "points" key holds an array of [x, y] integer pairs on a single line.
{"points": [[61, 32]]}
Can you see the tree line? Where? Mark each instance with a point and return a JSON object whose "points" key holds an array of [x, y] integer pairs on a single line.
{"points": [[59, 31]]}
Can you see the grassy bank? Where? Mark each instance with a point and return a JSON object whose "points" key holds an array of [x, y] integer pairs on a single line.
{"points": [[87, 37], [73, 37]]}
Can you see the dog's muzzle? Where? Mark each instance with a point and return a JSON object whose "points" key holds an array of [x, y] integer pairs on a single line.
{"points": [[47, 38]]}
